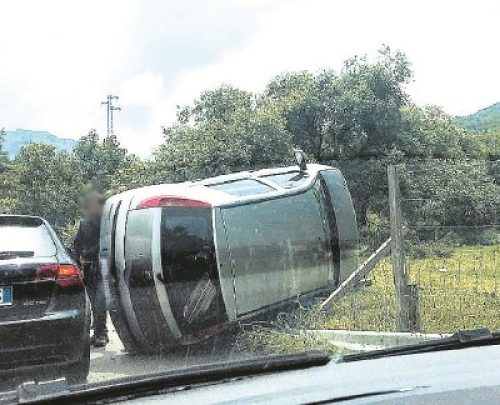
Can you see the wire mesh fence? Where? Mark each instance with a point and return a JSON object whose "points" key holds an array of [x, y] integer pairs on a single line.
{"points": [[450, 214]]}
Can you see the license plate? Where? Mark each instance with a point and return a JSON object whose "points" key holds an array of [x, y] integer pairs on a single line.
{"points": [[5, 296]]}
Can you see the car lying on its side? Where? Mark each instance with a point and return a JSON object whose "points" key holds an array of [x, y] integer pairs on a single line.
{"points": [[44, 311], [183, 262]]}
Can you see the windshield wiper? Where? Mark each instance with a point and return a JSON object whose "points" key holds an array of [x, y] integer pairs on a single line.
{"points": [[459, 340], [149, 384]]}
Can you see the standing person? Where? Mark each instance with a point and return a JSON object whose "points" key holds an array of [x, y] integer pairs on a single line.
{"points": [[86, 253]]}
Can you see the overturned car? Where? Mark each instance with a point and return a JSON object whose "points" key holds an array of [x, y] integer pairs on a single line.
{"points": [[185, 261]]}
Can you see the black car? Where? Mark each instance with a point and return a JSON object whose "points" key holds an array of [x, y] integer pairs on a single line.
{"points": [[44, 310]]}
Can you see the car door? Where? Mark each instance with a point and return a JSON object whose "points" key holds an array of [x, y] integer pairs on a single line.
{"points": [[278, 250]]}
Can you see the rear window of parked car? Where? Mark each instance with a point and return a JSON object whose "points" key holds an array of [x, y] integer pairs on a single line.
{"points": [[24, 237]]}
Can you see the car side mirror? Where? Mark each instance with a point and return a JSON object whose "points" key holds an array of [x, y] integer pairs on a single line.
{"points": [[300, 159]]}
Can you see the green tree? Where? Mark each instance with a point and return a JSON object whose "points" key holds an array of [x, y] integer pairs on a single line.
{"points": [[99, 161], [353, 114], [223, 131], [46, 183], [3, 154], [6, 201], [430, 133], [216, 105], [137, 173]]}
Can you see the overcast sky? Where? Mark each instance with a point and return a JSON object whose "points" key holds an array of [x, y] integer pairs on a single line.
{"points": [[59, 58]]}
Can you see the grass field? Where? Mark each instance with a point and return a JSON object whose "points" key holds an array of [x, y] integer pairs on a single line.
{"points": [[458, 292], [461, 291]]}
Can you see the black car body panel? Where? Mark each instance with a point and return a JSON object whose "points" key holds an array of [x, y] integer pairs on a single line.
{"points": [[45, 326]]}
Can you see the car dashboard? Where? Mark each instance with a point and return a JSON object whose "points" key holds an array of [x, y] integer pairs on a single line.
{"points": [[470, 375]]}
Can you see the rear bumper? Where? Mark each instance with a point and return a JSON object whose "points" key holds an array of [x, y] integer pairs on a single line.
{"points": [[54, 339]]}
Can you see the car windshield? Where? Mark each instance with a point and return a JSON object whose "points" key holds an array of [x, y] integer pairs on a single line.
{"points": [[190, 183]]}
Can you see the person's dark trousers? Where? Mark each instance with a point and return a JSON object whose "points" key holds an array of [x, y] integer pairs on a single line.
{"points": [[95, 291]]}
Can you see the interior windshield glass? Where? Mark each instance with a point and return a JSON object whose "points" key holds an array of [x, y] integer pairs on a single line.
{"points": [[190, 183]]}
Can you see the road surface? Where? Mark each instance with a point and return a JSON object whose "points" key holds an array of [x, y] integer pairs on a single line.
{"points": [[113, 361]]}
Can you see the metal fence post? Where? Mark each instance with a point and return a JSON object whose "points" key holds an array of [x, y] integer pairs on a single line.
{"points": [[403, 296], [414, 314]]}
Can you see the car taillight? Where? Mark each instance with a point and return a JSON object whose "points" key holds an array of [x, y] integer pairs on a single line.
{"points": [[172, 202], [65, 275]]}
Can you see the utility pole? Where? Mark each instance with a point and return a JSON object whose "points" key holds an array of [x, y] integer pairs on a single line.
{"points": [[110, 109]]}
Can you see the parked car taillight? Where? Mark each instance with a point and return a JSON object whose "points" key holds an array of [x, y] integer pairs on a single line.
{"points": [[65, 275]]}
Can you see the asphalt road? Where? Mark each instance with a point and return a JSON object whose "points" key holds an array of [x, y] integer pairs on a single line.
{"points": [[113, 361]]}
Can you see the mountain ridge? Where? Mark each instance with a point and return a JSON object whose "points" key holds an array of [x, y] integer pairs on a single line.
{"points": [[485, 119], [15, 139]]}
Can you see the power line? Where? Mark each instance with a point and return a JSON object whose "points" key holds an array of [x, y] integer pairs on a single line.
{"points": [[110, 109]]}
